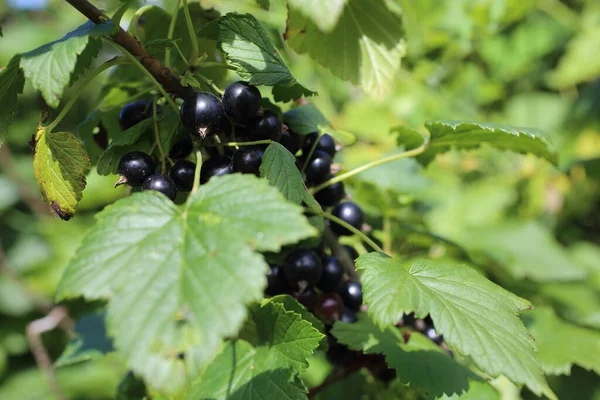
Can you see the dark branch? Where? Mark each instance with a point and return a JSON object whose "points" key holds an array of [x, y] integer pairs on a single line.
{"points": [[163, 75]]}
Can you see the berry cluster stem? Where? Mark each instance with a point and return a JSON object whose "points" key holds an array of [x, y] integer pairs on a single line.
{"points": [[239, 144], [352, 229], [82, 85], [170, 34], [157, 137], [197, 172], [406, 154], [192, 32]]}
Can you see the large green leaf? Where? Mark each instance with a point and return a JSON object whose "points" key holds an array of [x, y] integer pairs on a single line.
{"points": [[11, 85], [419, 363], [561, 344], [324, 14], [365, 47], [446, 135], [51, 67], [249, 48], [268, 369], [279, 167], [526, 250], [477, 317], [577, 301], [60, 164], [178, 278]]}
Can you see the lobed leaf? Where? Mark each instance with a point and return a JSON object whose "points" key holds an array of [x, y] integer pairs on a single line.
{"points": [[178, 278], [12, 81], [60, 164], [446, 135], [561, 344], [365, 47], [324, 14], [419, 363], [270, 368], [476, 317], [51, 67], [248, 47]]}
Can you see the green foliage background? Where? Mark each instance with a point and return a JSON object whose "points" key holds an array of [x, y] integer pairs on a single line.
{"points": [[532, 227]]}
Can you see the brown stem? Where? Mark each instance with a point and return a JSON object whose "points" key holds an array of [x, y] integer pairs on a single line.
{"points": [[29, 195], [34, 335], [163, 75]]}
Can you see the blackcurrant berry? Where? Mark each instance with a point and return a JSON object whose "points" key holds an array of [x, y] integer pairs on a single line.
{"points": [[408, 319], [329, 307], [182, 173], [339, 354], [331, 195], [351, 214], [332, 275], [348, 316], [431, 333], [247, 160], [351, 293], [308, 298], [161, 183], [215, 166], [302, 269], [134, 113], [241, 101], [318, 168], [291, 141], [326, 143], [134, 168], [267, 126], [182, 148], [352, 253], [275, 281], [202, 114]]}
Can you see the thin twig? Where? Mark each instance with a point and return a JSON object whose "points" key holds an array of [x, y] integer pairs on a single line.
{"points": [[34, 331], [163, 75]]}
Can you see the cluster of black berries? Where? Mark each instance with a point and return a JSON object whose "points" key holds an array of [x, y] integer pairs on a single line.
{"points": [[425, 326]]}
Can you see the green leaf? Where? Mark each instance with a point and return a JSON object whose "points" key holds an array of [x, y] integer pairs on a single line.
{"points": [[279, 167], [476, 317], [178, 278], [90, 342], [419, 363], [270, 369], [561, 344], [248, 47], [51, 67], [477, 391], [365, 47], [446, 135], [324, 14], [526, 250], [60, 164], [291, 304], [11, 85], [577, 302], [307, 119]]}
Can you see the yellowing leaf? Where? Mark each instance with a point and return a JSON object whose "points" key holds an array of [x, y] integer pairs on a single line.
{"points": [[60, 164]]}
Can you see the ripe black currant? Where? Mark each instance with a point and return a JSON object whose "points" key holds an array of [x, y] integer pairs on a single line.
{"points": [[134, 113], [302, 269], [181, 148], [215, 166], [134, 168], [329, 307], [351, 293], [332, 275], [308, 298], [267, 126], [431, 333], [349, 213], [241, 101], [275, 281], [291, 141], [247, 160], [318, 168], [326, 143], [182, 173], [348, 316], [331, 195], [161, 183], [202, 114]]}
